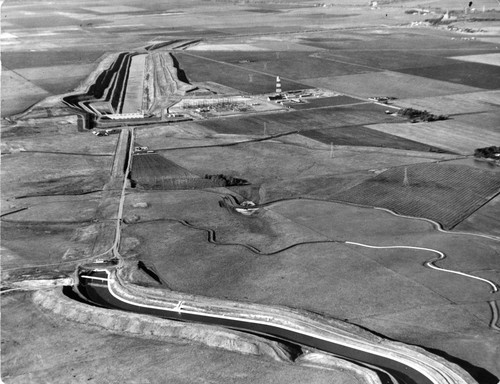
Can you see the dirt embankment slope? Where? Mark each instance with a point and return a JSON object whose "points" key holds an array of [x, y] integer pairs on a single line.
{"points": [[41, 346], [54, 301], [162, 85]]}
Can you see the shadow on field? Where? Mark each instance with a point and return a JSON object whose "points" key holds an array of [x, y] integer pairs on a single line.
{"points": [[481, 375]]}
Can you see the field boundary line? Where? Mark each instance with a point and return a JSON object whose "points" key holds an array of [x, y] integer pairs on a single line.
{"points": [[256, 140], [435, 224], [68, 153], [438, 226]]}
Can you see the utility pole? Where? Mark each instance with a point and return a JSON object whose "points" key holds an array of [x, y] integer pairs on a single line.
{"points": [[331, 150]]}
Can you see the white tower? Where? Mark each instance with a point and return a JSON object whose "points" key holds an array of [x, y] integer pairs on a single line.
{"points": [[278, 85]]}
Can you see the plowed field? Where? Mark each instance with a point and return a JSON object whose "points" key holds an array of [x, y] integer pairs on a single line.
{"points": [[444, 193], [150, 166]]}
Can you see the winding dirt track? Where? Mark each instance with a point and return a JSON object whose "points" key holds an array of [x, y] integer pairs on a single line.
{"points": [[212, 238]]}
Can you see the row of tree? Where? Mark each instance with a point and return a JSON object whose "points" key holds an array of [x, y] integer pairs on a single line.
{"points": [[488, 152], [226, 181], [416, 114]]}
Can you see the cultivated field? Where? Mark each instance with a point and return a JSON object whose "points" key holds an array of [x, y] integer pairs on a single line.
{"points": [[484, 220], [271, 162], [459, 103], [389, 83], [366, 137], [17, 94], [444, 193], [287, 64], [198, 68], [451, 135], [486, 58], [308, 119], [419, 40], [155, 171], [472, 74]]}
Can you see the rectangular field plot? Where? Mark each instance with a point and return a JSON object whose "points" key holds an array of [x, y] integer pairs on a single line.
{"points": [[14, 60], [385, 58], [152, 171], [45, 21], [200, 69], [404, 40], [60, 85], [288, 64], [341, 116], [152, 165], [487, 58], [18, 93], [362, 136], [471, 74], [251, 125], [449, 135], [443, 193], [303, 120], [388, 83], [56, 71], [456, 104]]}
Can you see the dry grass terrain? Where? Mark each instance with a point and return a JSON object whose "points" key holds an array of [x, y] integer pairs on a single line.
{"points": [[35, 345], [59, 202], [386, 285]]}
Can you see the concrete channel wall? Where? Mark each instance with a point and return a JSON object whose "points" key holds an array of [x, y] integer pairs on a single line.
{"points": [[108, 88], [132, 102], [393, 361]]}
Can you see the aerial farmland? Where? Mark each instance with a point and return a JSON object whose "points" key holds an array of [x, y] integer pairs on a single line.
{"points": [[258, 191]]}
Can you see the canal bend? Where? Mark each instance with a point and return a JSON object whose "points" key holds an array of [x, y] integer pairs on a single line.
{"points": [[103, 287]]}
